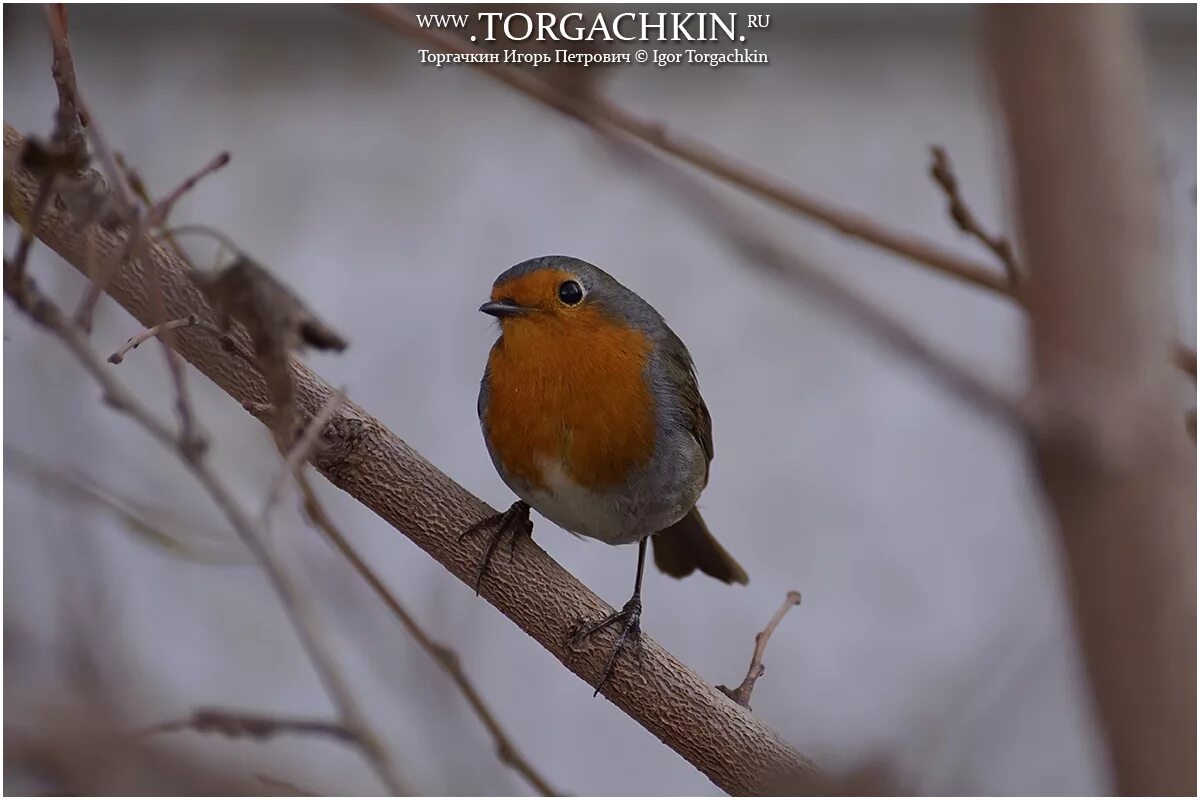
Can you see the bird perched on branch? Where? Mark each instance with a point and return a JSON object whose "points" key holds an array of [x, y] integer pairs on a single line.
{"points": [[592, 415]]}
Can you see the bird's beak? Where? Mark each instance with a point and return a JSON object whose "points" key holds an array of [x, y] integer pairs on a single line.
{"points": [[503, 308]]}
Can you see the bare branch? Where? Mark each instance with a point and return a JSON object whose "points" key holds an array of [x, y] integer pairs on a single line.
{"points": [[72, 108], [942, 172], [300, 451], [132, 343], [44, 312], [1120, 479], [70, 120], [443, 655], [158, 213], [364, 458], [151, 525], [597, 112], [762, 250], [25, 242], [741, 694], [242, 724]]}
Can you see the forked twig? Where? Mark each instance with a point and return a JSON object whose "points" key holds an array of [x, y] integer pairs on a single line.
{"points": [[741, 693], [942, 172]]}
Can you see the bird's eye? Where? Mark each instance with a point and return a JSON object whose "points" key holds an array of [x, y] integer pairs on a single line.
{"points": [[570, 293]]}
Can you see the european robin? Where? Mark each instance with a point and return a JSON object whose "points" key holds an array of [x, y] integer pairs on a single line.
{"points": [[592, 415]]}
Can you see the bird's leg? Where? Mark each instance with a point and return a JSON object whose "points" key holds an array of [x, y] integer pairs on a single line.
{"points": [[629, 618], [515, 522]]}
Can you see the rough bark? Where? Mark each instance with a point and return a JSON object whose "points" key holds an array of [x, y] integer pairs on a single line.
{"points": [[363, 458]]}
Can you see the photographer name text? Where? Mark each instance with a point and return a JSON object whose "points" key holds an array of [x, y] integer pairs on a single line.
{"points": [[659, 58]]}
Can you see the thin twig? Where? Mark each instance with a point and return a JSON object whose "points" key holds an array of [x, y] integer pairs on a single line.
{"points": [[300, 452], [142, 222], [158, 213], [759, 248], [594, 111], [942, 172], [191, 441], [71, 103], [135, 515], [506, 751], [241, 724], [43, 311], [132, 342], [70, 120], [190, 436], [25, 243], [741, 694]]}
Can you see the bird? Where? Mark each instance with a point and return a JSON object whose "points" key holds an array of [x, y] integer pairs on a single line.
{"points": [[592, 415]]}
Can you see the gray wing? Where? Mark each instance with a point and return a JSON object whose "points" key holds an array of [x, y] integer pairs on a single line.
{"points": [[692, 413]]}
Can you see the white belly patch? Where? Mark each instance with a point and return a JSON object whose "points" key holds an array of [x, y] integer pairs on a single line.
{"points": [[578, 509]]}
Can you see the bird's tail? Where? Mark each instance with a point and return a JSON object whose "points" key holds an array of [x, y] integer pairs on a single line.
{"points": [[687, 546]]}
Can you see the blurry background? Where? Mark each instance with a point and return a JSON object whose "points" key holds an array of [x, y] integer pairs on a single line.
{"points": [[933, 631]]}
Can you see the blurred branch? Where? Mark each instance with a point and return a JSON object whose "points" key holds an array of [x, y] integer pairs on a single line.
{"points": [[26, 296], [597, 112], [137, 517], [446, 658], [942, 172], [70, 119], [299, 453], [362, 457], [1121, 481], [278, 321], [72, 109], [241, 724], [763, 251], [741, 693]]}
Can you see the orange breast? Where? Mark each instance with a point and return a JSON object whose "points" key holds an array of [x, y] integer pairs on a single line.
{"points": [[570, 390]]}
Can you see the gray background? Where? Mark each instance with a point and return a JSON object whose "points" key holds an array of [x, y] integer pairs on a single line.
{"points": [[933, 632]]}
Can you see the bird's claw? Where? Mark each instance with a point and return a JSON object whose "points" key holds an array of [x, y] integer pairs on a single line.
{"points": [[515, 522], [630, 620]]}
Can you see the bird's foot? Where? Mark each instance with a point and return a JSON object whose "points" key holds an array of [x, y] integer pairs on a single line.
{"points": [[629, 619], [514, 522]]}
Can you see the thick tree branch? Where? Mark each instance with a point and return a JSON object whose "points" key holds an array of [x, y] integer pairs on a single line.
{"points": [[361, 456], [1120, 478]]}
